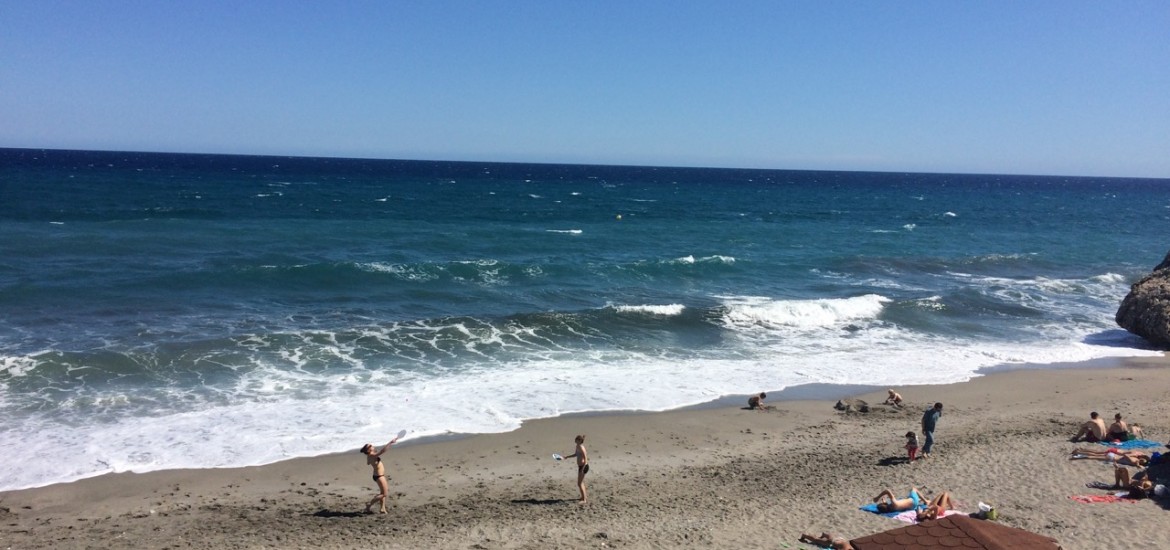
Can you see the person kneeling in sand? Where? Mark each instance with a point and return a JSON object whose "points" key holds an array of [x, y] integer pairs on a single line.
{"points": [[894, 399], [756, 402], [826, 541], [1092, 431], [936, 507], [374, 459], [887, 502]]}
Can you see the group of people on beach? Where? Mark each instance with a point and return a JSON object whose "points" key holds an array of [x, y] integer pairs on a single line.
{"points": [[374, 460], [1094, 430], [886, 502], [1138, 485]]}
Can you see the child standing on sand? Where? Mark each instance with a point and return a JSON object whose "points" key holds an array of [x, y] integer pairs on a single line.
{"points": [[912, 445], [582, 465]]}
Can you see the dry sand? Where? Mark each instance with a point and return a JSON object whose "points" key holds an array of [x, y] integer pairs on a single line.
{"points": [[717, 477]]}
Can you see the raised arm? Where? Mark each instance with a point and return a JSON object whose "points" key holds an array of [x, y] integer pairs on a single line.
{"points": [[392, 441]]}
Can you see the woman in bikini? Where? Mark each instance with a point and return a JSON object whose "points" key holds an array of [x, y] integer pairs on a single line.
{"points": [[374, 459], [1112, 454], [887, 502], [936, 507]]}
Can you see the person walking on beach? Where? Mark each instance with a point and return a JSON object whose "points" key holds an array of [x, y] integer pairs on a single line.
{"points": [[582, 465], [929, 421], [374, 459]]}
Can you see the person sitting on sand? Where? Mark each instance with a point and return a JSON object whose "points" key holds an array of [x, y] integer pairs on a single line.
{"points": [[887, 502], [1118, 430], [756, 402], [894, 398], [374, 459], [1092, 431], [826, 541], [936, 507], [1112, 454], [1139, 488]]}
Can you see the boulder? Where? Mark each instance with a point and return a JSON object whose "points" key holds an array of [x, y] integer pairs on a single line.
{"points": [[1145, 311]]}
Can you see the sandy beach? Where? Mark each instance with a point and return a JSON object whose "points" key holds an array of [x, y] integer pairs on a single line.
{"points": [[718, 476]]}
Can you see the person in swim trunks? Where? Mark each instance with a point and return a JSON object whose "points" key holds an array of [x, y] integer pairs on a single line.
{"points": [[374, 459], [582, 465], [1118, 430], [1092, 431], [887, 502]]}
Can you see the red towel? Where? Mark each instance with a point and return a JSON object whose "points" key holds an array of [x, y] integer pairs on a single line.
{"points": [[1100, 498]]}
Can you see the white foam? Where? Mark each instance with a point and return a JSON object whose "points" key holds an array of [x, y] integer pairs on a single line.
{"points": [[744, 311], [668, 310], [569, 231]]}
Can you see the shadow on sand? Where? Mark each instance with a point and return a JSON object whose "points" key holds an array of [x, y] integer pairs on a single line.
{"points": [[894, 460], [539, 502], [326, 513]]}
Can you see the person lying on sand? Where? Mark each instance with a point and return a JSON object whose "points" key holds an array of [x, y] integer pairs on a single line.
{"points": [[1092, 431], [894, 398], [887, 502], [826, 541], [935, 508], [1112, 454]]}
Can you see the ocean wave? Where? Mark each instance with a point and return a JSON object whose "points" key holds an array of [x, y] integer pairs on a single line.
{"points": [[664, 310], [766, 312]]}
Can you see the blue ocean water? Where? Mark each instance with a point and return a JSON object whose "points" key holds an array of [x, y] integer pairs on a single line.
{"points": [[166, 311]]}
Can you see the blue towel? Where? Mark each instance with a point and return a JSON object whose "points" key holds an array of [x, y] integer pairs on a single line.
{"points": [[1132, 444], [873, 509]]}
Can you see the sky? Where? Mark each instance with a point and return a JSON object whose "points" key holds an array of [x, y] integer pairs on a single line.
{"points": [[1007, 87]]}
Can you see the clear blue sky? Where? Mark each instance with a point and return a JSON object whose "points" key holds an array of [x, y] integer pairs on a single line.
{"points": [[1028, 87]]}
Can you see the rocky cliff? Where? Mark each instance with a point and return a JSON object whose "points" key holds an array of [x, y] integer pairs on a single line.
{"points": [[1145, 311]]}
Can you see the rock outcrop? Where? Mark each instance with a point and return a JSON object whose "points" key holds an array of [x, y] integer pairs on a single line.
{"points": [[1145, 311]]}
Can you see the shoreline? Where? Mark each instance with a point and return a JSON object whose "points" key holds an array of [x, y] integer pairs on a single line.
{"points": [[707, 475]]}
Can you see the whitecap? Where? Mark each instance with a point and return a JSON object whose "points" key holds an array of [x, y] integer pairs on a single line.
{"points": [[668, 310]]}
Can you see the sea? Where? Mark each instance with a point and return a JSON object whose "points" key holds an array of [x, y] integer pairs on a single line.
{"points": [[163, 311]]}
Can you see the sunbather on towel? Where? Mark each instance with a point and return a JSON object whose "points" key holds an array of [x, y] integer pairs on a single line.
{"points": [[1112, 454], [827, 541], [936, 507], [887, 502]]}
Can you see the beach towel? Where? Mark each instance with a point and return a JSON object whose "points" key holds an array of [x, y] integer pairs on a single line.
{"points": [[873, 509], [911, 516], [1131, 444], [1116, 497]]}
